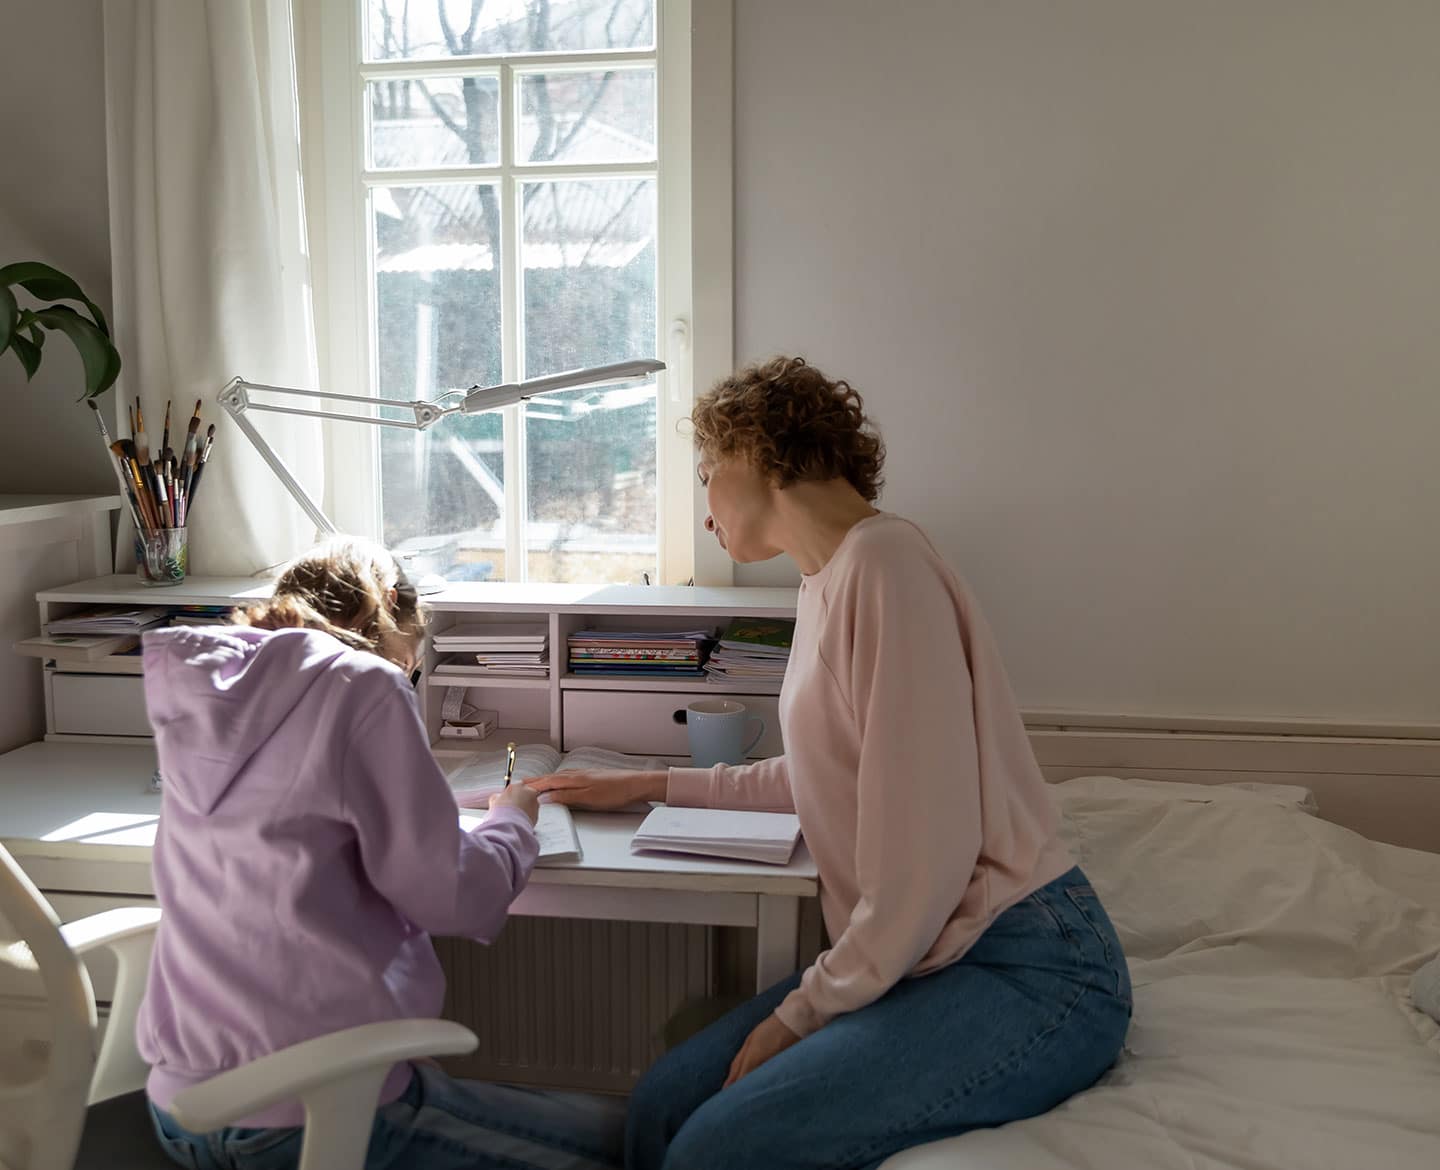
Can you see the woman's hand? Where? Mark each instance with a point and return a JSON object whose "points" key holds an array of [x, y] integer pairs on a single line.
{"points": [[518, 796], [770, 1038], [601, 788]]}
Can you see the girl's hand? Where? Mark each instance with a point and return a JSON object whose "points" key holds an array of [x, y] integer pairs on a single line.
{"points": [[521, 797], [601, 788], [770, 1038]]}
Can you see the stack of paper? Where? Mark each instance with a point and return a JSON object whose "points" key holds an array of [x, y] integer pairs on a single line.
{"points": [[515, 649], [110, 619], [716, 832]]}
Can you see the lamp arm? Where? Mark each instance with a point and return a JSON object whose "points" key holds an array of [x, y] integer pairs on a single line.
{"points": [[426, 414], [234, 397], [235, 402]]}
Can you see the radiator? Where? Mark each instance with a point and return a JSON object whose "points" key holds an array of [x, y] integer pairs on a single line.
{"points": [[572, 1003]]}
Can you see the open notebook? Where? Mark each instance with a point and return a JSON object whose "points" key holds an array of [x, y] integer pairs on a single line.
{"points": [[718, 832], [483, 774]]}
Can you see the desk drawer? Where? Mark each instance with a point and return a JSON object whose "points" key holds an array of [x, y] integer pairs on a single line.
{"points": [[97, 704], [644, 722]]}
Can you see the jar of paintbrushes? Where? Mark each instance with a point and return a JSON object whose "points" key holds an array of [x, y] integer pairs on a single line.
{"points": [[160, 489]]}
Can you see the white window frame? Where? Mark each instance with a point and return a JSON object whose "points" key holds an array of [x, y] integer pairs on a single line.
{"points": [[694, 94]]}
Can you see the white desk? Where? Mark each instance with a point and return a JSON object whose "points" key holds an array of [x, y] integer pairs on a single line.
{"points": [[81, 821]]}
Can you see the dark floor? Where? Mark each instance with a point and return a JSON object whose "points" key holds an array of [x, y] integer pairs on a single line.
{"points": [[118, 1137]]}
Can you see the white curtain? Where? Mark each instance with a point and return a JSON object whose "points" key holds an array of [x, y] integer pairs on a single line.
{"points": [[208, 246]]}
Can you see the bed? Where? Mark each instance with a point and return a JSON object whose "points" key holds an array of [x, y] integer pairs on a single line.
{"points": [[1271, 954]]}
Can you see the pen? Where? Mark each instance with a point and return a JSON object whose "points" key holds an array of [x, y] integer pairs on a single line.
{"points": [[509, 762]]}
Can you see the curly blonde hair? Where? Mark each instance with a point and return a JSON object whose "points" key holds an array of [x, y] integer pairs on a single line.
{"points": [[793, 423], [342, 587]]}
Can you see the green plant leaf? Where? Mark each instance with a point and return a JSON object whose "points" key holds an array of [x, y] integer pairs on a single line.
{"points": [[9, 316], [42, 281], [112, 371], [50, 284], [102, 363], [28, 353]]}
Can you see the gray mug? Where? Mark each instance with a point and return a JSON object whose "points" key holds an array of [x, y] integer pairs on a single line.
{"points": [[718, 731]]}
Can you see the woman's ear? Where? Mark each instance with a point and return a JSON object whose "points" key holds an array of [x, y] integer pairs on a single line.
{"points": [[392, 595]]}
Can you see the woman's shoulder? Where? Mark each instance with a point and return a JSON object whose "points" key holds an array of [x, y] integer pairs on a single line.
{"points": [[887, 541]]}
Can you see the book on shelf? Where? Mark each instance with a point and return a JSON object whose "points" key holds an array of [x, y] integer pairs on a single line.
{"points": [[76, 647], [483, 666], [717, 832], [494, 636], [483, 774], [757, 635], [665, 653], [643, 669], [110, 619], [201, 615]]}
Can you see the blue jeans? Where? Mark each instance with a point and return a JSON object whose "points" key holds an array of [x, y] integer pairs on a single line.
{"points": [[1035, 1011], [438, 1123]]}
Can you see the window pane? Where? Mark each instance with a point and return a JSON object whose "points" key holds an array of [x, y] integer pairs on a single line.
{"points": [[427, 29], [590, 117], [591, 472], [588, 259], [437, 327], [439, 122]]}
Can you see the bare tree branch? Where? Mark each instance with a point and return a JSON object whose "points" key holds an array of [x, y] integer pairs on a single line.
{"points": [[585, 116], [609, 223], [450, 124]]}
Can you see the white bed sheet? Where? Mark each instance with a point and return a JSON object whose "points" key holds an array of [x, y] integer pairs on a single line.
{"points": [[1271, 954]]}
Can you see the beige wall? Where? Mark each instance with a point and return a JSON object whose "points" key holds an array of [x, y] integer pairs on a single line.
{"points": [[53, 207], [1144, 295]]}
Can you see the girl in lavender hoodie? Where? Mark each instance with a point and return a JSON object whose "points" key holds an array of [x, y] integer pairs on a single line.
{"points": [[308, 846], [973, 977]]}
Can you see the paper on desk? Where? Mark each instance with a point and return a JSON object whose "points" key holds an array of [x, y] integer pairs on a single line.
{"points": [[555, 830]]}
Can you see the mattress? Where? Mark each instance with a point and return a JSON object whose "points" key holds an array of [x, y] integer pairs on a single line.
{"points": [[1271, 954]]}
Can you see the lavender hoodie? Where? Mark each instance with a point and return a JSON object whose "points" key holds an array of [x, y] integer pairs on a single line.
{"points": [[307, 844]]}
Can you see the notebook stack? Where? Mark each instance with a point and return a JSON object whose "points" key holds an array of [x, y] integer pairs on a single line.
{"points": [[657, 653], [516, 650], [716, 832], [201, 615], [752, 650], [110, 619]]}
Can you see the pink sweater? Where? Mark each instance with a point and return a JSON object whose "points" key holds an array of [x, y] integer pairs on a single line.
{"points": [[908, 765]]}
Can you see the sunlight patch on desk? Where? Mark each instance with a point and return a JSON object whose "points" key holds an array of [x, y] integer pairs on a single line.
{"points": [[108, 828]]}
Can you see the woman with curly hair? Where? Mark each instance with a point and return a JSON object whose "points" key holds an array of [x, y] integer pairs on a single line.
{"points": [[973, 978]]}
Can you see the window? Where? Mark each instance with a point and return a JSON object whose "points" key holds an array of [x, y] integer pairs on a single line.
{"points": [[501, 191]]}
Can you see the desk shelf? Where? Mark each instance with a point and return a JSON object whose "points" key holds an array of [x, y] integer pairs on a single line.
{"points": [[506, 682], [532, 709], [688, 686]]}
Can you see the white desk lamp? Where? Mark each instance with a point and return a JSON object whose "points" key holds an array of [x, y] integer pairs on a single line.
{"points": [[235, 398]]}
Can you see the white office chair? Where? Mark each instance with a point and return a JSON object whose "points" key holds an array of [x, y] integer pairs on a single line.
{"points": [[46, 1084]]}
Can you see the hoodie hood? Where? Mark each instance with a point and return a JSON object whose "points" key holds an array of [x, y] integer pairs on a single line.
{"points": [[216, 694]]}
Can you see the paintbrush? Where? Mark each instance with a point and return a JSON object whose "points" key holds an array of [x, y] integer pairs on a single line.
{"points": [[189, 452], [126, 490], [124, 451], [202, 461], [142, 450]]}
